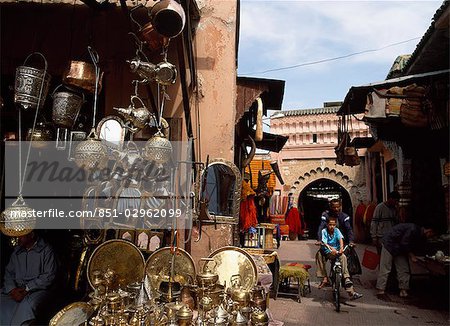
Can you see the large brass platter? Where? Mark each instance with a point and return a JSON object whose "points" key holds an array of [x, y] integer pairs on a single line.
{"points": [[158, 266], [72, 315], [232, 261], [123, 257]]}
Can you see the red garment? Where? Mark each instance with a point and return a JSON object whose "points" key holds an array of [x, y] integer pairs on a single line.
{"points": [[368, 214], [293, 220], [359, 222], [247, 214]]}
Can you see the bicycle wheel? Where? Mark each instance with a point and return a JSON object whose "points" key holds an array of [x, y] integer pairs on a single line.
{"points": [[337, 291]]}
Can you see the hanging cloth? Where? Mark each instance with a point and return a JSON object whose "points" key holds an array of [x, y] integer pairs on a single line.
{"points": [[359, 222], [247, 211], [293, 220]]}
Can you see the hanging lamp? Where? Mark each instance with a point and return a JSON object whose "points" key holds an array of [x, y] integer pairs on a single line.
{"points": [[91, 153], [158, 148], [18, 219]]}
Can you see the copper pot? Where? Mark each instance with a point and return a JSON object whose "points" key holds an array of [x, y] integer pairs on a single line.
{"points": [[82, 74], [168, 18], [148, 34]]}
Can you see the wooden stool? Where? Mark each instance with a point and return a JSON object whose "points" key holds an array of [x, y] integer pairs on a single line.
{"points": [[298, 272]]}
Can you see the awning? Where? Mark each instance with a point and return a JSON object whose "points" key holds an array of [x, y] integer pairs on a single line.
{"points": [[249, 89], [355, 100], [270, 142], [362, 142]]}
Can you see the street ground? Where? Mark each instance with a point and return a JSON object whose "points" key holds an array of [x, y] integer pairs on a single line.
{"points": [[427, 303]]}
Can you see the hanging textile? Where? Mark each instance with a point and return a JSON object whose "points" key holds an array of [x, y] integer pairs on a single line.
{"points": [[359, 223], [247, 213], [293, 220]]}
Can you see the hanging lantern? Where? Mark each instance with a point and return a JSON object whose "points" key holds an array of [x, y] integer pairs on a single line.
{"points": [[91, 153], [158, 149], [66, 106], [31, 85], [17, 220]]}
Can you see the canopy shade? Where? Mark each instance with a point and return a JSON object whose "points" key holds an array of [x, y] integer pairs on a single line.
{"points": [[355, 100]]}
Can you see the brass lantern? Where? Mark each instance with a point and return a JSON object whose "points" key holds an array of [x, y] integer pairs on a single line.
{"points": [[17, 220], [158, 149], [91, 153]]}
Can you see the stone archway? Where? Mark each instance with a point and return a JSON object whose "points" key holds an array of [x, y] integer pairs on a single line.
{"points": [[314, 199], [339, 177]]}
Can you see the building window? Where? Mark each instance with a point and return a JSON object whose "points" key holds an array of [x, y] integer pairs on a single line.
{"points": [[314, 138]]}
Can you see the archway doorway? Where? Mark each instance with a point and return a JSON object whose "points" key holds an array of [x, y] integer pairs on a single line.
{"points": [[313, 200]]}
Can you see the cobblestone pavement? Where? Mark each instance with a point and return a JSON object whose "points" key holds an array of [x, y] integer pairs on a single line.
{"points": [[316, 308]]}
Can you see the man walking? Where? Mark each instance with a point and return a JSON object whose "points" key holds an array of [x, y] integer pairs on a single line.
{"points": [[384, 218]]}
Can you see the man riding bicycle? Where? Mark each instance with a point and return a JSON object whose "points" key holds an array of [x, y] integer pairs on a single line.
{"points": [[333, 248], [343, 223]]}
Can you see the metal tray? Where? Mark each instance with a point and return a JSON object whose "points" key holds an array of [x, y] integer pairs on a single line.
{"points": [[232, 261], [159, 263], [123, 257], [76, 313]]}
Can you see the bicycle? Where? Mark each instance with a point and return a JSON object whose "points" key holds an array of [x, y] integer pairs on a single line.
{"points": [[336, 278]]}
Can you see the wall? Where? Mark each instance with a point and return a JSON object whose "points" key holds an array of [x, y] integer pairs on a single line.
{"points": [[304, 159], [215, 106]]}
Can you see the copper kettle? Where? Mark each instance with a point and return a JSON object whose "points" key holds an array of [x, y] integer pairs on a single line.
{"points": [[259, 297]]}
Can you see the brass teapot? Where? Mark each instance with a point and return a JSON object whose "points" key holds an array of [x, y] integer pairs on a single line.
{"points": [[184, 316], [207, 278], [237, 293], [259, 318]]}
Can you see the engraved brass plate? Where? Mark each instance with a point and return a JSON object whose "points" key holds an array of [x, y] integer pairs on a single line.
{"points": [[232, 261], [123, 257], [159, 263], [76, 313]]}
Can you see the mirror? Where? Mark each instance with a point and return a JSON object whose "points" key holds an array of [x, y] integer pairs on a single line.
{"points": [[127, 204], [111, 130], [221, 191]]}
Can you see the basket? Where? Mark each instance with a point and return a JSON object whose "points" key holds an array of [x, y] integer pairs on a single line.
{"points": [[370, 259]]}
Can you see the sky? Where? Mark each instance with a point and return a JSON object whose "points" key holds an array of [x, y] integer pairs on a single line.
{"points": [[278, 33]]}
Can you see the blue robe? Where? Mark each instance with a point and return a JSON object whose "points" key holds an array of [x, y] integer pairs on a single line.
{"points": [[34, 270]]}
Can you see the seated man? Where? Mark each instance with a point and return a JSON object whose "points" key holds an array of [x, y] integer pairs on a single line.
{"points": [[333, 247], [343, 223], [28, 276]]}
